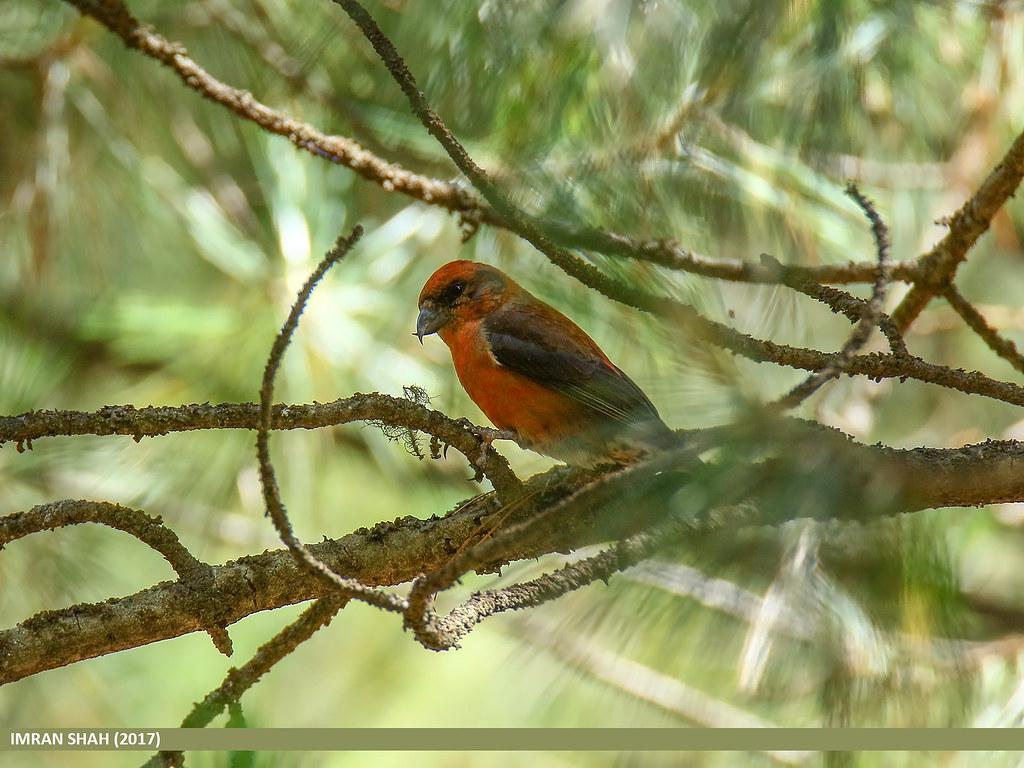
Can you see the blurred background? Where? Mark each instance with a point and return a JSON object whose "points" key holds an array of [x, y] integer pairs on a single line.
{"points": [[152, 244]]}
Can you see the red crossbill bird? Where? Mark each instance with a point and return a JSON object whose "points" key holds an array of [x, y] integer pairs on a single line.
{"points": [[534, 372]]}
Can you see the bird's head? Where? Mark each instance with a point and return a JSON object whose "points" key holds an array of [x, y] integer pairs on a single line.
{"points": [[460, 291]]}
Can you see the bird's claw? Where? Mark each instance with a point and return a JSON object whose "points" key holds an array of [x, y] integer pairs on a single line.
{"points": [[486, 436]]}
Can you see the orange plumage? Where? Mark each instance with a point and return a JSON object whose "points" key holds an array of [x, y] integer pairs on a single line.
{"points": [[533, 371]]}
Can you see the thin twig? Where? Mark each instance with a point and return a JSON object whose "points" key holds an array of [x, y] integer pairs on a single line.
{"points": [[869, 319], [240, 680], [1005, 348], [271, 492]]}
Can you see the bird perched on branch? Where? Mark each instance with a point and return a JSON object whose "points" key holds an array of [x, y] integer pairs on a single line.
{"points": [[534, 372]]}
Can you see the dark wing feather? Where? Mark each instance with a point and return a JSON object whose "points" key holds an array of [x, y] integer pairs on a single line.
{"points": [[541, 343]]}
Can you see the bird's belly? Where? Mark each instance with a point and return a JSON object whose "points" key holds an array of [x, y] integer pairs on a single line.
{"points": [[541, 416], [535, 412]]}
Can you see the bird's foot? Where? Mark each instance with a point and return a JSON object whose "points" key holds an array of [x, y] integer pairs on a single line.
{"points": [[487, 435]]}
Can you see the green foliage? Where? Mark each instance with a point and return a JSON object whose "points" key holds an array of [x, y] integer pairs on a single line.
{"points": [[153, 243]]}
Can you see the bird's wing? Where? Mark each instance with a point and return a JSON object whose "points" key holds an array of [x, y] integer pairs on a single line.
{"points": [[537, 341]]}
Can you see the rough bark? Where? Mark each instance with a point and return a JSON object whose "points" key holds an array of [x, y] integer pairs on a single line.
{"points": [[398, 551]]}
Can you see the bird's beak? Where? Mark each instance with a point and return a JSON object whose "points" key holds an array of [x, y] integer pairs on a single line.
{"points": [[430, 319]]}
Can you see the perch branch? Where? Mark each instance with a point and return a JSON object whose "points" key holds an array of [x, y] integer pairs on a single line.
{"points": [[399, 551], [154, 421]]}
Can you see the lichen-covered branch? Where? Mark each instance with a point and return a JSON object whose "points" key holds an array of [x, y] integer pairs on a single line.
{"points": [[399, 551], [152, 421], [671, 254], [148, 529], [151, 531]]}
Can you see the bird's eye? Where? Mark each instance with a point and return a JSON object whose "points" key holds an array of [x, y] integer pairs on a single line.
{"points": [[455, 289]]}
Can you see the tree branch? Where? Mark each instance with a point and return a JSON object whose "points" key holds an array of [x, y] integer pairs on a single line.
{"points": [[152, 421], [151, 531], [392, 177], [937, 267], [399, 551]]}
